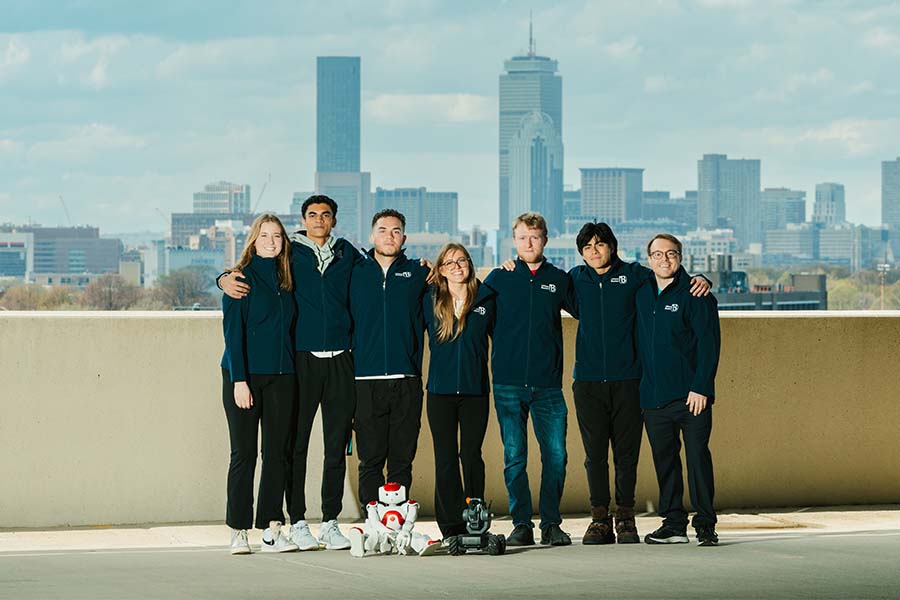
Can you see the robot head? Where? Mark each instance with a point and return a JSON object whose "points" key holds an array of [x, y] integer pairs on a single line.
{"points": [[392, 493]]}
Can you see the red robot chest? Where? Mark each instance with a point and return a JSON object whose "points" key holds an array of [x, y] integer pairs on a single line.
{"points": [[392, 519]]}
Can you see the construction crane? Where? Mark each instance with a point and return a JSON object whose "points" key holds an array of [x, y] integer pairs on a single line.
{"points": [[66, 210], [261, 192]]}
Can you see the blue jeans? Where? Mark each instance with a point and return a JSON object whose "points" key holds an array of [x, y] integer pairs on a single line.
{"points": [[548, 409]]}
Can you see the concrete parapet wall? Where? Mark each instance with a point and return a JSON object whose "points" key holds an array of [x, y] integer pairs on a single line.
{"points": [[113, 418]]}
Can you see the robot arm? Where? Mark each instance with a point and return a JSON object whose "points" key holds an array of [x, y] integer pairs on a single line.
{"points": [[373, 521], [412, 512]]}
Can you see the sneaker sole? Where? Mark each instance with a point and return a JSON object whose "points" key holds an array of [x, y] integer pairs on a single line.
{"points": [[344, 546], [675, 539], [310, 547], [240, 551], [707, 543], [288, 548]]}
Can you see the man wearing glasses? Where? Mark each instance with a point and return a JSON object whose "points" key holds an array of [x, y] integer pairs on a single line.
{"points": [[607, 377], [679, 341]]}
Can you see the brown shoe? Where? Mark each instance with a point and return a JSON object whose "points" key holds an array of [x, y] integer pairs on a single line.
{"points": [[626, 529], [600, 530]]}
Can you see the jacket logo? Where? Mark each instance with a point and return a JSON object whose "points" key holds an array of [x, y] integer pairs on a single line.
{"points": [[480, 310], [620, 279], [672, 307], [403, 274], [550, 287]]}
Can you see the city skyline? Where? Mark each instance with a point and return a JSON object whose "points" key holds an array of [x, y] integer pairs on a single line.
{"points": [[121, 119]]}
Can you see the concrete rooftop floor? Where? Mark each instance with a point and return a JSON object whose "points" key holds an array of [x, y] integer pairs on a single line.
{"points": [[840, 552]]}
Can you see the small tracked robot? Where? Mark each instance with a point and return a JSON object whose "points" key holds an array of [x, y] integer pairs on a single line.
{"points": [[477, 516]]}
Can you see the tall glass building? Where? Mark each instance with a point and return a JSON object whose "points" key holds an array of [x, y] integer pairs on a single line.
{"points": [[536, 171], [337, 114], [530, 84], [729, 196]]}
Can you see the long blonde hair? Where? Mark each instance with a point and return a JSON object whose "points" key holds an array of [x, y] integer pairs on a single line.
{"points": [[450, 327], [282, 261]]}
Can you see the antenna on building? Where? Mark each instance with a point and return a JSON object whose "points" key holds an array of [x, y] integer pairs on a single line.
{"points": [[66, 210], [531, 33], [261, 192]]}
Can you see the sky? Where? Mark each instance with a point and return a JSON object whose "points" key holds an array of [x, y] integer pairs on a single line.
{"points": [[125, 109]]}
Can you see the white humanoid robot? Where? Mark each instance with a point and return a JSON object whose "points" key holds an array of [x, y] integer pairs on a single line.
{"points": [[389, 526]]}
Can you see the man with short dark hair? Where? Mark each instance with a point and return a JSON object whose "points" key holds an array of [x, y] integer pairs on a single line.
{"points": [[321, 265], [607, 377], [526, 360], [388, 337], [679, 341]]}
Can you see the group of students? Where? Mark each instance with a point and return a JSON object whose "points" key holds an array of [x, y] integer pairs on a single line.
{"points": [[311, 321]]}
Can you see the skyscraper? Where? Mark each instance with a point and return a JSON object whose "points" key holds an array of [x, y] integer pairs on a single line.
{"points": [[729, 196], [890, 201], [337, 144], [612, 195], [536, 170], [530, 84], [337, 114], [781, 206], [830, 207]]}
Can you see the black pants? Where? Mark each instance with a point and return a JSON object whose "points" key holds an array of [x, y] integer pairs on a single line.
{"points": [[388, 417], [607, 412], [329, 382], [664, 427], [273, 400], [466, 418]]}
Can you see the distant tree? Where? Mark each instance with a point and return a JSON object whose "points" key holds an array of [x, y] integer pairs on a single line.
{"points": [[149, 302], [110, 292], [23, 297], [61, 298], [186, 287]]}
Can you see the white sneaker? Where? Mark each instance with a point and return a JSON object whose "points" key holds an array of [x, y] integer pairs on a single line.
{"points": [[303, 537], [239, 543], [331, 537], [274, 541]]}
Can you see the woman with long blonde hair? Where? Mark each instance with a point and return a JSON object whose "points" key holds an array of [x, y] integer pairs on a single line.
{"points": [[459, 313], [258, 385]]}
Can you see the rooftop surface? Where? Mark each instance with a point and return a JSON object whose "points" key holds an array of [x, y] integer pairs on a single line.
{"points": [[840, 552]]}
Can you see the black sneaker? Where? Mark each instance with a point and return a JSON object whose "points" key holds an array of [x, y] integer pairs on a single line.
{"points": [[706, 536], [552, 535], [667, 535], [522, 535]]}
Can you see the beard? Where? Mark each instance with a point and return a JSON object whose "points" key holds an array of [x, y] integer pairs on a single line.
{"points": [[391, 252]]}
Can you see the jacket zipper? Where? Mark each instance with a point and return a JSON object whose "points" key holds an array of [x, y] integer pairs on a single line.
{"points": [[530, 319], [384, 315], [280, 323], [603, 331]]}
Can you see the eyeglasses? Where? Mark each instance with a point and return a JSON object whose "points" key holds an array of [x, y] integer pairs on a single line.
{"points": [[460, 262], [670, 254]]}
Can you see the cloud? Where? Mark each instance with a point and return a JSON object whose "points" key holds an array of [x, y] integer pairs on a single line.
{"points": [[856, 137], [625, 48], [883, 39], [14, 57], [655, 84], [795, 83], [98, 51], [756, 54], [430, 108], [84, 143], [243, 58]]}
